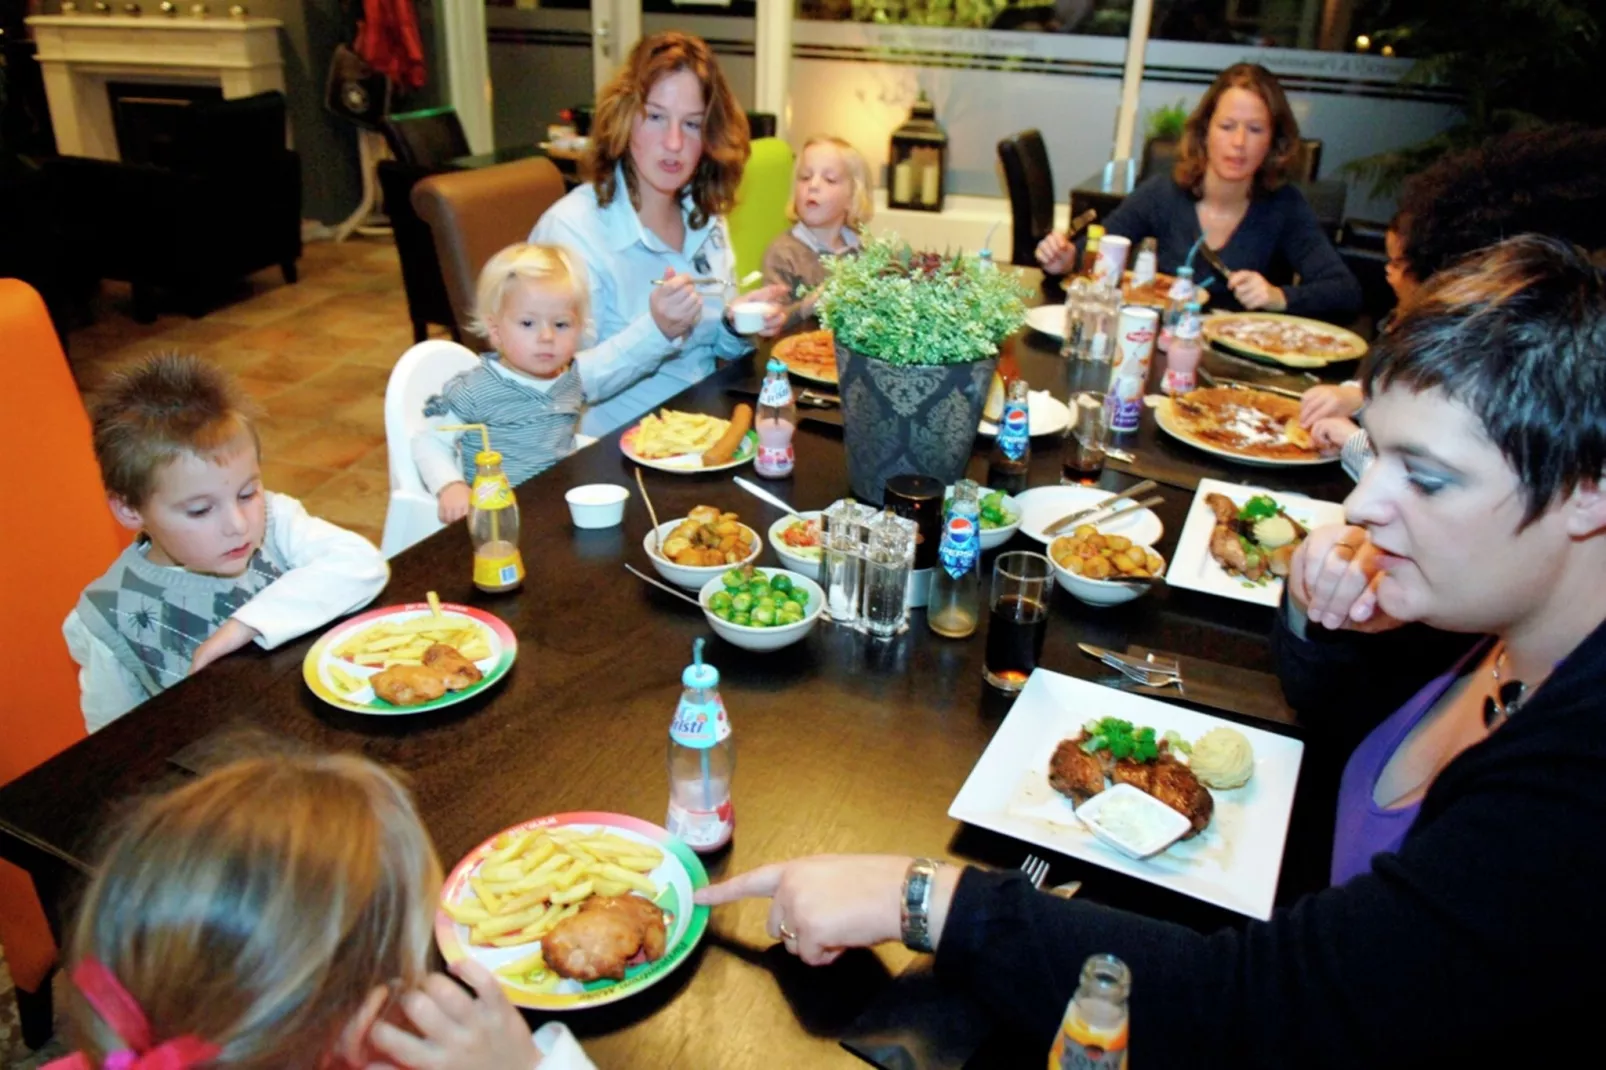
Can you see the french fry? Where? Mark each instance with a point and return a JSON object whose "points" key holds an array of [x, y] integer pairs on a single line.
{"points": [[434, 603], [532, 880], [519, 969], [345, 682]]}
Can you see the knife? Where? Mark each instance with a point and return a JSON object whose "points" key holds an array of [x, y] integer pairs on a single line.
{"points": [[1239, 384], [1215, 262], [1115, 661], [819, 401], [1065, 521]]}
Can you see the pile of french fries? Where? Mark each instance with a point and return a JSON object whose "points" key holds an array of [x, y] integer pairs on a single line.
{"points": [[534, 879], [379, 646], [668, 433]]}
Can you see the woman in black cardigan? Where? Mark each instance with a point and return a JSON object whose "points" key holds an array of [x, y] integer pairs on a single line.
{"points": [[1484, 515]]}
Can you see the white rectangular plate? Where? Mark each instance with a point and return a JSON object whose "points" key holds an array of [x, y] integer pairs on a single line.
{"points": [[1234, 863], [1192, 566]]}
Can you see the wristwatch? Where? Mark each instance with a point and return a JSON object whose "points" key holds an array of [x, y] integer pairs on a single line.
{"points": [[914, 908]]}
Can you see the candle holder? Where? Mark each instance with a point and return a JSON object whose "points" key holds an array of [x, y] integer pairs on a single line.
{"points": [[199, 11], [238, 11], [102, 8], [132, 11], [917, 164], [169, 8], [69, 7]]}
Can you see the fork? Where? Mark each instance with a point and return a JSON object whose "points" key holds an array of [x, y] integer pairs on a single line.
{"points": [[1155, 677], [1036, 870]]}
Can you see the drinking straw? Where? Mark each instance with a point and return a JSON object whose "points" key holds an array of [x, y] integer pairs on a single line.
{"points": [[485, 447], [708, 787]]}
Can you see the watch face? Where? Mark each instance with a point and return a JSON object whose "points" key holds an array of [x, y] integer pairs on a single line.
{"points": [[356, 96]]}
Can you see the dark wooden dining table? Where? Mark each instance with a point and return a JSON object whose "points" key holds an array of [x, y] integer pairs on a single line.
{"points": [[843, 744]]}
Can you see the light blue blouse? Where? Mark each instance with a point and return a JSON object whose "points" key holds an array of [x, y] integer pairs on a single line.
{"points": [[633, 368]]}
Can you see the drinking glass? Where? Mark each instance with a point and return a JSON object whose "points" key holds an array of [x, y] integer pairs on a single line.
{"points": [[1018, 618], [1083, 458]]}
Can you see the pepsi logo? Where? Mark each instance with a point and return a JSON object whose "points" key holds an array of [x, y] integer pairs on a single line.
{"points": [[960, 527], [1015, 420]]}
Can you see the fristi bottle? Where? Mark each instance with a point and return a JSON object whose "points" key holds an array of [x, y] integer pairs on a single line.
{"points": [[493, 520], [1093, 1034], [702, 758], [776, 423]]}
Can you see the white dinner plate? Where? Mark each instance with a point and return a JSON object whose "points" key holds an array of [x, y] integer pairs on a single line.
{"points": [[1041, 506], [1166, 421], [1234, 863], [1049, 416], [1192, 565], [1047, 319]]}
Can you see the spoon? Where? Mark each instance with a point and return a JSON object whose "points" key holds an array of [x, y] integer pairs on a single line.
{"points": [[763, 495], [682, 595], [657, 538]]}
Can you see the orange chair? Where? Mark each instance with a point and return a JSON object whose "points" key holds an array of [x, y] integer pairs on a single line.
{"points": [[67, 539]]}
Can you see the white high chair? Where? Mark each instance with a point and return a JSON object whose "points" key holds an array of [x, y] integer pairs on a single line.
{"points": [[420, 372]]}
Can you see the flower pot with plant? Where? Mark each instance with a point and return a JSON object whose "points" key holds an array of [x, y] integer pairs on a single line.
{"points": [[1163, 136], [917, 337]]}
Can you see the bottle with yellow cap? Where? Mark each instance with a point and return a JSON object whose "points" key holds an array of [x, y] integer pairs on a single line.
{"points": [[493, 520]]}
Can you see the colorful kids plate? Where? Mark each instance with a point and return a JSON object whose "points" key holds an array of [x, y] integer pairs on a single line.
{"points": [[678, 874], [688, 462], [323, 667]]}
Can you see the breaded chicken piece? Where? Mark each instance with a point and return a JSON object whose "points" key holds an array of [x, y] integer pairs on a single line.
{"points": [[603, 938], [408, 685], [456, 671], [1225, 508], [1075, 773]]}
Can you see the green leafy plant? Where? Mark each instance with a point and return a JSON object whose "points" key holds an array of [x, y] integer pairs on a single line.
{"points": [[906, 307], [1167, 122], [960, 14], [1488, 51]]}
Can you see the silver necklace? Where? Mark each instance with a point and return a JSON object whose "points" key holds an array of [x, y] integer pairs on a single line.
{"points": [[1508, 695]]}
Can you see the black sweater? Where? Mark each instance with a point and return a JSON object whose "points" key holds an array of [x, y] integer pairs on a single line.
{"points": [[1278, 237], [1471, 944]]}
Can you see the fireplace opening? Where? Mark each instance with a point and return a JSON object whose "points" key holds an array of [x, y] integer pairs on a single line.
{"points": [[146, 118]]}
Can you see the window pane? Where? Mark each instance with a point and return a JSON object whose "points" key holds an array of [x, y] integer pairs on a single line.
{"points": [[1326, 25], [1104, 18]]}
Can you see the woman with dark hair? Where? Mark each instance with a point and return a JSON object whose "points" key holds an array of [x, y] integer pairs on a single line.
{"points": [[1465, 853], [1229, 188], [668, 145]]}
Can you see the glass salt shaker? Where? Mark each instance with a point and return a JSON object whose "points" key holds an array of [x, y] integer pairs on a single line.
{"points": [[842, 557]]}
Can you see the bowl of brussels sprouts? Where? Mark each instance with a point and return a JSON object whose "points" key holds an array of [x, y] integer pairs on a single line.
{"points": [[762, 609]]}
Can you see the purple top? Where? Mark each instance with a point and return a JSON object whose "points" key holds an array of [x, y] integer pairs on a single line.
{"points": [[1364, 828]]}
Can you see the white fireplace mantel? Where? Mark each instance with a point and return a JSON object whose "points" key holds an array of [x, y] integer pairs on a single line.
{"points": [[79, 54]]}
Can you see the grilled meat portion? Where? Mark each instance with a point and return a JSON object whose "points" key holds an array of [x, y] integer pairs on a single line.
{"points": [[1074, 773]]}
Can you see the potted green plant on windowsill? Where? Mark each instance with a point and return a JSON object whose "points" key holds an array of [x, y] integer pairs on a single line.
{"points": [[917, 337], [1163, 135]]}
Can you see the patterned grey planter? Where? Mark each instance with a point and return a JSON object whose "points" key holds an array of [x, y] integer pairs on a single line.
{"points": [[901, 419]]}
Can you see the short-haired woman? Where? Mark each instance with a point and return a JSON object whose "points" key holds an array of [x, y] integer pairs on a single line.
{"points": [[1465, 854], [1230, 188], [668, 145]]}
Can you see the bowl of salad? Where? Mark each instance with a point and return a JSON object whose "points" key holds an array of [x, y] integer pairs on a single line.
{"points": [[1000, 517], [797, 542]]}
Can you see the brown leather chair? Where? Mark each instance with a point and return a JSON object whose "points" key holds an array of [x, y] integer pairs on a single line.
{"points": [[473, 214], [1030, 183]]}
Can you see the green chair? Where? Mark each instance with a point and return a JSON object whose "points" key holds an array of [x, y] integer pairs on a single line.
{"points": [[761, 200]]}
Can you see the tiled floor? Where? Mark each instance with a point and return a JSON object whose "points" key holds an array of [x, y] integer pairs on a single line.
{"points": [[316, 357]]}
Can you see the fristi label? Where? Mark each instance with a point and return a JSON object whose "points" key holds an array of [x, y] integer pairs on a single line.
{"points": [[492, 492], [700, 725]]}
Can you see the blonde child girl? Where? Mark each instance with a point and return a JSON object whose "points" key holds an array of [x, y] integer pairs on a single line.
{"points": [[830, 201], [278, 912], [531, 306]]}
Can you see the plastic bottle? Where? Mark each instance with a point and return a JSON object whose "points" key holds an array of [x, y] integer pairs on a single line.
{"points": [[1182, 360], [954, 605], [702, 760], [776, 423], [493, 520], [1146, 265], [1093, 1035], [1011, 458], [1090, 251], [1176, 303]]}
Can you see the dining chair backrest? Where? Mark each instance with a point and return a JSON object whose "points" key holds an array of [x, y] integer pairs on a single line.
{"points": [[1030, 183], [426, 139], [474, 214], [47, 556], [1307, 163], [419, 374], [761, 200]]}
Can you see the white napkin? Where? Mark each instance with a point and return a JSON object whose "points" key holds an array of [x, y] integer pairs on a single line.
{"points": [[559, 1049]]}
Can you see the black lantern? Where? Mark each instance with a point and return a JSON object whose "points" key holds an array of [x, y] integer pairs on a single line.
{"points": [[917, 166]]}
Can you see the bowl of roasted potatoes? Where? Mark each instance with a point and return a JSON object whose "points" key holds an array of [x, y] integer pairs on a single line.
{"points": [[690, 552], [1104, 570]]}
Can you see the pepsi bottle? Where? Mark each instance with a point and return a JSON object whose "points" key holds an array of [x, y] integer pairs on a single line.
{"points": [[1012, 448]]}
